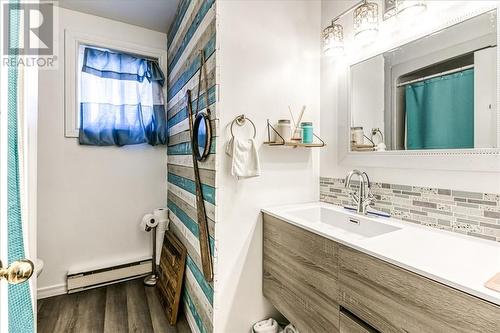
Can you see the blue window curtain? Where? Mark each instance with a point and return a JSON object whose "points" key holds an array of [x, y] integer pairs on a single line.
{"points": [[121, 100], [440, 112]]}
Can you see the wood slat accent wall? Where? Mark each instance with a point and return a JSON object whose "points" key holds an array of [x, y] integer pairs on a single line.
{"points": [[193, 29]]}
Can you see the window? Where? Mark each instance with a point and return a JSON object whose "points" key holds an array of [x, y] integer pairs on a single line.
{"points": [[113, 91], [121, 100]]}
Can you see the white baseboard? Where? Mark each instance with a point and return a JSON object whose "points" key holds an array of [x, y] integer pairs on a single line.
{"points": [[55, 290], [111, 275], [107, 275]]}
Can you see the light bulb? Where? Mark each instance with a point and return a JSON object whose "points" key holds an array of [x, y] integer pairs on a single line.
{"points": [[333, 39], [366, 22], [408, 9]]}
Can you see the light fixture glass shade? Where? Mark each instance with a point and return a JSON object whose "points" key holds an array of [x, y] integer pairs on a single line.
{"points": [[333, 39], [366, 21], [389, 9], [409, 8]]}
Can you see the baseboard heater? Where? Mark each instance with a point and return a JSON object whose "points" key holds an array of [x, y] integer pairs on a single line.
{"points": [[101, 277]]}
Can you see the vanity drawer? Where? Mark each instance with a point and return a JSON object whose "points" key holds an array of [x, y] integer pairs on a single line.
{"points": [[392, 299], [351, 324], [300, 276]]}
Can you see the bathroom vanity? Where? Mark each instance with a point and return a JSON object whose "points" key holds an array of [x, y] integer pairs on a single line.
{"points": [[329, 270]]}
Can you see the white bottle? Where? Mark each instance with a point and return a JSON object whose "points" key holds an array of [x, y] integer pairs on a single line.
{"points": [[284, 130], [357, 135]]}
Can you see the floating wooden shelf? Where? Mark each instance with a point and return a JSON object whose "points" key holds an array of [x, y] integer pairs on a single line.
{"points": [[368, 147], [295, 144]]}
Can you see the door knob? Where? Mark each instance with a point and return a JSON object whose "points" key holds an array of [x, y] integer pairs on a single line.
{"points": [[17, 272]]}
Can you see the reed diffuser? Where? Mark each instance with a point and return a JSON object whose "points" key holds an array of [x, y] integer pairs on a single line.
{"points": [[297, 130]]}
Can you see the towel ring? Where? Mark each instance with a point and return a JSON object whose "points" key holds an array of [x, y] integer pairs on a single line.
{"points": [[240, 121]]}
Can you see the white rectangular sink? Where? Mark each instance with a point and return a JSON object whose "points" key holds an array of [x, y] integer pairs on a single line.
{"points": [[459, 261], [346, 223]]}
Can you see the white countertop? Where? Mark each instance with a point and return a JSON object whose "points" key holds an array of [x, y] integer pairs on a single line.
{"points": [[459, 261]]}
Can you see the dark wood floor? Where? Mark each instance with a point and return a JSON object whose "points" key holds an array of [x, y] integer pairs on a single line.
{"points": [[123, 307]]}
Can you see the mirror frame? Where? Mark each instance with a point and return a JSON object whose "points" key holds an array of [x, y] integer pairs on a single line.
{"points": [[202, 117], [478, 159]]}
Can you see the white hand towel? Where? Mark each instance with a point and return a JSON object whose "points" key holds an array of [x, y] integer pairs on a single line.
{"points": [[245, 159], [229, 147], [266, 326]]}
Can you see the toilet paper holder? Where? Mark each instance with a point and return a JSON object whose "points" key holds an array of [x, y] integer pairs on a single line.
{"points": [[152, 279]]}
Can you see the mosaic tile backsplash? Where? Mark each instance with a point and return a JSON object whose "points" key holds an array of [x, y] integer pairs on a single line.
{"points": [[471, 213]]}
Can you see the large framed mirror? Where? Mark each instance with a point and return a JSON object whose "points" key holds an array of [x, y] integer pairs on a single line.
{"points": [[437, 93]]}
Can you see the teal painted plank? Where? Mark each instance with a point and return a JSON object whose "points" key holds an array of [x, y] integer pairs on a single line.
{"points": [[183, 113], [189, 185], [208, 49], [185, 148], [211, 242], [198, 275], [194, 312], [188, 222], [180, 149], [185, 219], [179, 16], [190, 32]]}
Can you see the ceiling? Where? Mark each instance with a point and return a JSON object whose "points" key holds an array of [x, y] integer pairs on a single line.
{"points": [[151, 14]]}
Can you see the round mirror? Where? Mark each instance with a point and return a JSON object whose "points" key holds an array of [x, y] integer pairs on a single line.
{"points": [[202, 136]]}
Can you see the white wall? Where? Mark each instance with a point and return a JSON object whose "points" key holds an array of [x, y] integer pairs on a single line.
{"points": [[367, 97], [330, 164], [268, 59], [485, 102], [90, 199]]}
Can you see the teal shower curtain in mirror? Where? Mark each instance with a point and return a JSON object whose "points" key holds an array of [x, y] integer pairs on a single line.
{"points": [[440, 112]]}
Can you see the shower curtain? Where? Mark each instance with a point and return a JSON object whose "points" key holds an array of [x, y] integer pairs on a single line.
{"points": [[20, 307], [440, 112]]}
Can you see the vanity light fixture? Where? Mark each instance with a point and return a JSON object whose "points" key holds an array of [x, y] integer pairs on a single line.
{"points": [[333, 39], [409, 8], [333, 35], [403, 9], [389, 9], [365, 27], [366, 21]]}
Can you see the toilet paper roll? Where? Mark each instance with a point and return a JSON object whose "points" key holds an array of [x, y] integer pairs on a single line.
{"points": [[148, 222], [161, 214]]}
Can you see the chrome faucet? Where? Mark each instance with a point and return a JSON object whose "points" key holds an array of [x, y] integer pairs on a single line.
{"points": [[364, 197]]}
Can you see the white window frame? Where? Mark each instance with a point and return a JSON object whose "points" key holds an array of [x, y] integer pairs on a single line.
{"points": [[72, 42]]}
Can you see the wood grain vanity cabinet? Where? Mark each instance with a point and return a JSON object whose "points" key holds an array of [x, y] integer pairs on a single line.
{"points": [[392, 299], [322, 286], [300, 276], [351, 324]]}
